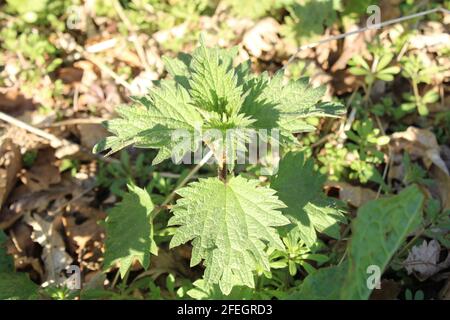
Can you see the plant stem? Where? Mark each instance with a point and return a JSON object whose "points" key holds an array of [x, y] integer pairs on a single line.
{"points": [[222, 171], [411, 242], [416, 90], [182, 183]]}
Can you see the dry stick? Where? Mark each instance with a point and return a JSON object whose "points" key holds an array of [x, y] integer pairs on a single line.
{"points": [[133, 35], [103, 67], [54, 140], [75, 121]]}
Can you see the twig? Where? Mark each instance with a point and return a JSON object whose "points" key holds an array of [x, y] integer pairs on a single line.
{"points": [[55, 142], [133, 35], [322, 140], [95, 60], [70, 122], [104, 68]]}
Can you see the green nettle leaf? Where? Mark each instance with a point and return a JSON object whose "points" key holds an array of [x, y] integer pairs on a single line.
{"points": [[207, 92], [13, 285], [378, 231], [277, 104], [299, 186], [230, 224], [129, 231], [214, 83], [150, 122], [17, 286]]}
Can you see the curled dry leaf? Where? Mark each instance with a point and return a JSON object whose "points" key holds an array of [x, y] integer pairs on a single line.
{"points": [[56, 197], [262, 38], [10, 165], [423, 260], [85, 238], [353, 44], [433, 42], [419, 143], [54, 254]]}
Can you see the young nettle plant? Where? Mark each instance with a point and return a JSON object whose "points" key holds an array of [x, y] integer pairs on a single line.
{"points": [[230, 220], [417, 72]]}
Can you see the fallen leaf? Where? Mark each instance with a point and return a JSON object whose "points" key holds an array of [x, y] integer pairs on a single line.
{"points": [[25, 140], [70, 74], [353, 44], [22, 200], [14, 103], [90, 134], [419, 143], [85, 238], [43, 173], [423, 260], [262, 38], [354, 195], [54, 254], [24, 250]]}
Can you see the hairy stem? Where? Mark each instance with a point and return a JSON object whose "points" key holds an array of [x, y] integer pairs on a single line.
{"points": [[416, 90], [222, 171], [182, 183]]}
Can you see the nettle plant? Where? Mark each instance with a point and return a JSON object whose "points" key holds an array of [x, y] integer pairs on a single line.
{"points": [[232, 221]]}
